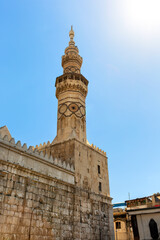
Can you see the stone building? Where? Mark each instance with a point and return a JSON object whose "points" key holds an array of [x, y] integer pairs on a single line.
{"points": [[57, 190]]}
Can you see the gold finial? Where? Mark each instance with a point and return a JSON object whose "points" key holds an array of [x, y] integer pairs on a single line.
{"points": [[71, 35]]}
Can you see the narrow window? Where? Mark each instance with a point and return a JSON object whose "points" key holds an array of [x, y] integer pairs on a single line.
{"points": [[99, 169], [118, 225], [100, 186]]}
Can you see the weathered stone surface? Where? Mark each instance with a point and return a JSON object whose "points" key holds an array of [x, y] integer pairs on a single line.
{"points": [[48, 209]]}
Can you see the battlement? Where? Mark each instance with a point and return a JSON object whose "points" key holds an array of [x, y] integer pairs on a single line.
{"points": [[36, 152], [41, 147], [96, 148]]}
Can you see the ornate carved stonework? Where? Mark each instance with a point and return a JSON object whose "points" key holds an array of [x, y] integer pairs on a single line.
{"points": [[71, 61], [68, 109], [71, 82], [71, 69], [71, 92]]}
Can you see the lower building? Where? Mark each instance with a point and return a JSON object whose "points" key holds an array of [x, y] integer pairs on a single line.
{"points": [[145, 217]]}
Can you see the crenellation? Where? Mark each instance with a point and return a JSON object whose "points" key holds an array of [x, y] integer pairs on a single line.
{"points": [[47, 157], [6, 138], [24, 147], [68, 166], [96, 148], [30, 149], [12, 141], [40, 146], [18, 144]]}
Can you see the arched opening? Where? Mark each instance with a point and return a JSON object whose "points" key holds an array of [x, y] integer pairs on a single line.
{"points": [[153, 229]]}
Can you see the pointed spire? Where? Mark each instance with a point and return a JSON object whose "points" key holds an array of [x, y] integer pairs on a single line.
{"points": [[71, 61], [71, 35]]}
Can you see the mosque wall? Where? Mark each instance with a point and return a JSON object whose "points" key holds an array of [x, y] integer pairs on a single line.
{"points": [[40, 205]]}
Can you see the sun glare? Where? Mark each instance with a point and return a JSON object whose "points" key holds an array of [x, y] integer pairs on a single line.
{"points": [[143, 15]]}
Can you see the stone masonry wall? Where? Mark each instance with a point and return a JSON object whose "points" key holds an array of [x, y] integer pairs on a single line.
{"points": [[36, 207]]}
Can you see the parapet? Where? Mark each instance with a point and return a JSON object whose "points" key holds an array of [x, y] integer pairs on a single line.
{"points": [[34, 152], [97, 148], [42, 146]]}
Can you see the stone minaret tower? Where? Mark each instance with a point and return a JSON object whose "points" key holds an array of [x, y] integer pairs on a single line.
{"points": [[91, 208], [71, 92]]}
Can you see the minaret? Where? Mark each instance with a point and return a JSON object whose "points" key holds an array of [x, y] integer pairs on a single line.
{"points": [[71, 92]]}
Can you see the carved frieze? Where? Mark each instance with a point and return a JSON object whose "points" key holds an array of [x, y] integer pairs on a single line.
{"points": [[69, 85]]}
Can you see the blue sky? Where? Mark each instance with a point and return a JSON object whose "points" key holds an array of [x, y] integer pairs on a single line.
{"points": [[120, 45]]}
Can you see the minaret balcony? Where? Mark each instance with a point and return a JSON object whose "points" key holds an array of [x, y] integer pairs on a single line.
{"points": [[71, 82]]}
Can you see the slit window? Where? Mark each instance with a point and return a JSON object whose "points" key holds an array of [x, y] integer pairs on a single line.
{"points": [[99, 169], [100, 186]]}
